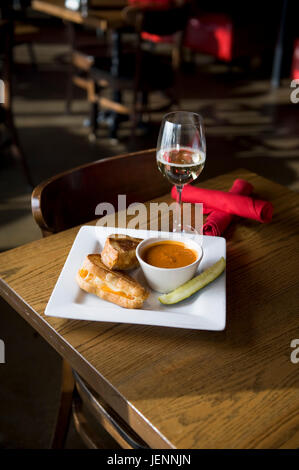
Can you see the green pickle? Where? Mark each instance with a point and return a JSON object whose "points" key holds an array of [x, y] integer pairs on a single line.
{"points": [[189, 288]]}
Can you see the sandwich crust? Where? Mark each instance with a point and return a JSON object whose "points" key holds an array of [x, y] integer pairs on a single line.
{"points": [[94, 277], [120, 252]]}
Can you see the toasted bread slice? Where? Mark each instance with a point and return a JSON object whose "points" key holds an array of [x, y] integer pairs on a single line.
{"points": [[120, 252], [94, 277]]}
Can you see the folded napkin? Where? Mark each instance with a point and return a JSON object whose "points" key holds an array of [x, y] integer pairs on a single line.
{"points": [[222, 206], [218, 221]]}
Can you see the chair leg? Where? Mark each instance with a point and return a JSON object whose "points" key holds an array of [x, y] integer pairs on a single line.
{"points": [[65, 407], [18, 154], [69, 90], [134, 123], [135, 114], [94, 111], [32, 56], [70, 32], [16, 148]]}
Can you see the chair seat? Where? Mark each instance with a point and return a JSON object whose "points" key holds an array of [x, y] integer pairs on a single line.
{"points": [[84, 57], [24, 32]]}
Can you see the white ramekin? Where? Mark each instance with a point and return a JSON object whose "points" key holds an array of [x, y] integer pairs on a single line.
{"points": [[165, 280]]}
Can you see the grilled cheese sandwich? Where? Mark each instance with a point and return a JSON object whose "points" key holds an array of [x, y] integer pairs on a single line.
{"points": [[94, 277], [120, 252]]}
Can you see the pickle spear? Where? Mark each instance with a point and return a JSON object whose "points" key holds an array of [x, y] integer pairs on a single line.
{"points": [[189, 288]]}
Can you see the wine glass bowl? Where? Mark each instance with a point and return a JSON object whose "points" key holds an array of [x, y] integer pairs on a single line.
{"points": [[181, 153]]}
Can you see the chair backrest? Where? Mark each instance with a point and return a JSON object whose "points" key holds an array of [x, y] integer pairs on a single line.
{"points": [[165, 22], [70, 198], [158, 20]]}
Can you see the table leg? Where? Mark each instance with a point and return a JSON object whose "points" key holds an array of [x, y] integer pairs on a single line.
{"points": [[70, 31], [65, 407]]}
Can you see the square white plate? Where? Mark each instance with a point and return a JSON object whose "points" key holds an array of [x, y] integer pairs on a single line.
{"points": [[205, 310]]}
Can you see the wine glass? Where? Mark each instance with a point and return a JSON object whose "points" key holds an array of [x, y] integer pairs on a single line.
{"points": [[181, 154]]}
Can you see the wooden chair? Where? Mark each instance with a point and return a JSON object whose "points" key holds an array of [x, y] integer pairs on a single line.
{"points": [[86, 49], [9, 135], [142, 71], [67, 200], [25, 31], [84, 187]]}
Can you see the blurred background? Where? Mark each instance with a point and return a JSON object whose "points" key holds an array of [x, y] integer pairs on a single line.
{"points": [[86, 80]]}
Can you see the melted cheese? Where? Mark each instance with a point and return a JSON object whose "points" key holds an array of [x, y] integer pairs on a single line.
{"points": [[83, 272], [87, 276], [122, 294]]}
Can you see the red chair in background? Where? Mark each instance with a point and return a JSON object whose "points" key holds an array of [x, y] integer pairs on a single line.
{"points": [[208, 33], [226, 35], [211, 33]]}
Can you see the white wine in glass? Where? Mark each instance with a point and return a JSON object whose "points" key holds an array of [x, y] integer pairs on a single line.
{"points": [[181, 153]]}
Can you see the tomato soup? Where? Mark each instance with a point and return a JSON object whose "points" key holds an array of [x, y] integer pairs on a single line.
{"points": [[169, 254]]}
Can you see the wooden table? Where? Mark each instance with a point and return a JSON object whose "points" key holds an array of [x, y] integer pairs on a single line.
{"points": [[107, 15], [184, 388]]}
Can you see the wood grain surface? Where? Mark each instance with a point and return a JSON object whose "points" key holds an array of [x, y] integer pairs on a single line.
{"points": [[102, 18], [185, 388]]}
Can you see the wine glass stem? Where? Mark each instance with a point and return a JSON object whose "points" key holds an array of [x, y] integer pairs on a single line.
{"points": [[179, 210]]}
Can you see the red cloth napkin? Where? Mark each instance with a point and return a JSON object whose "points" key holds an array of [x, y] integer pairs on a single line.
{"points": [[218, 221], [224, 205], [239, 187]]}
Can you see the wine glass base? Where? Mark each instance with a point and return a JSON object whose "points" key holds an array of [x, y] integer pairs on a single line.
{"points": [[185, 229]]}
